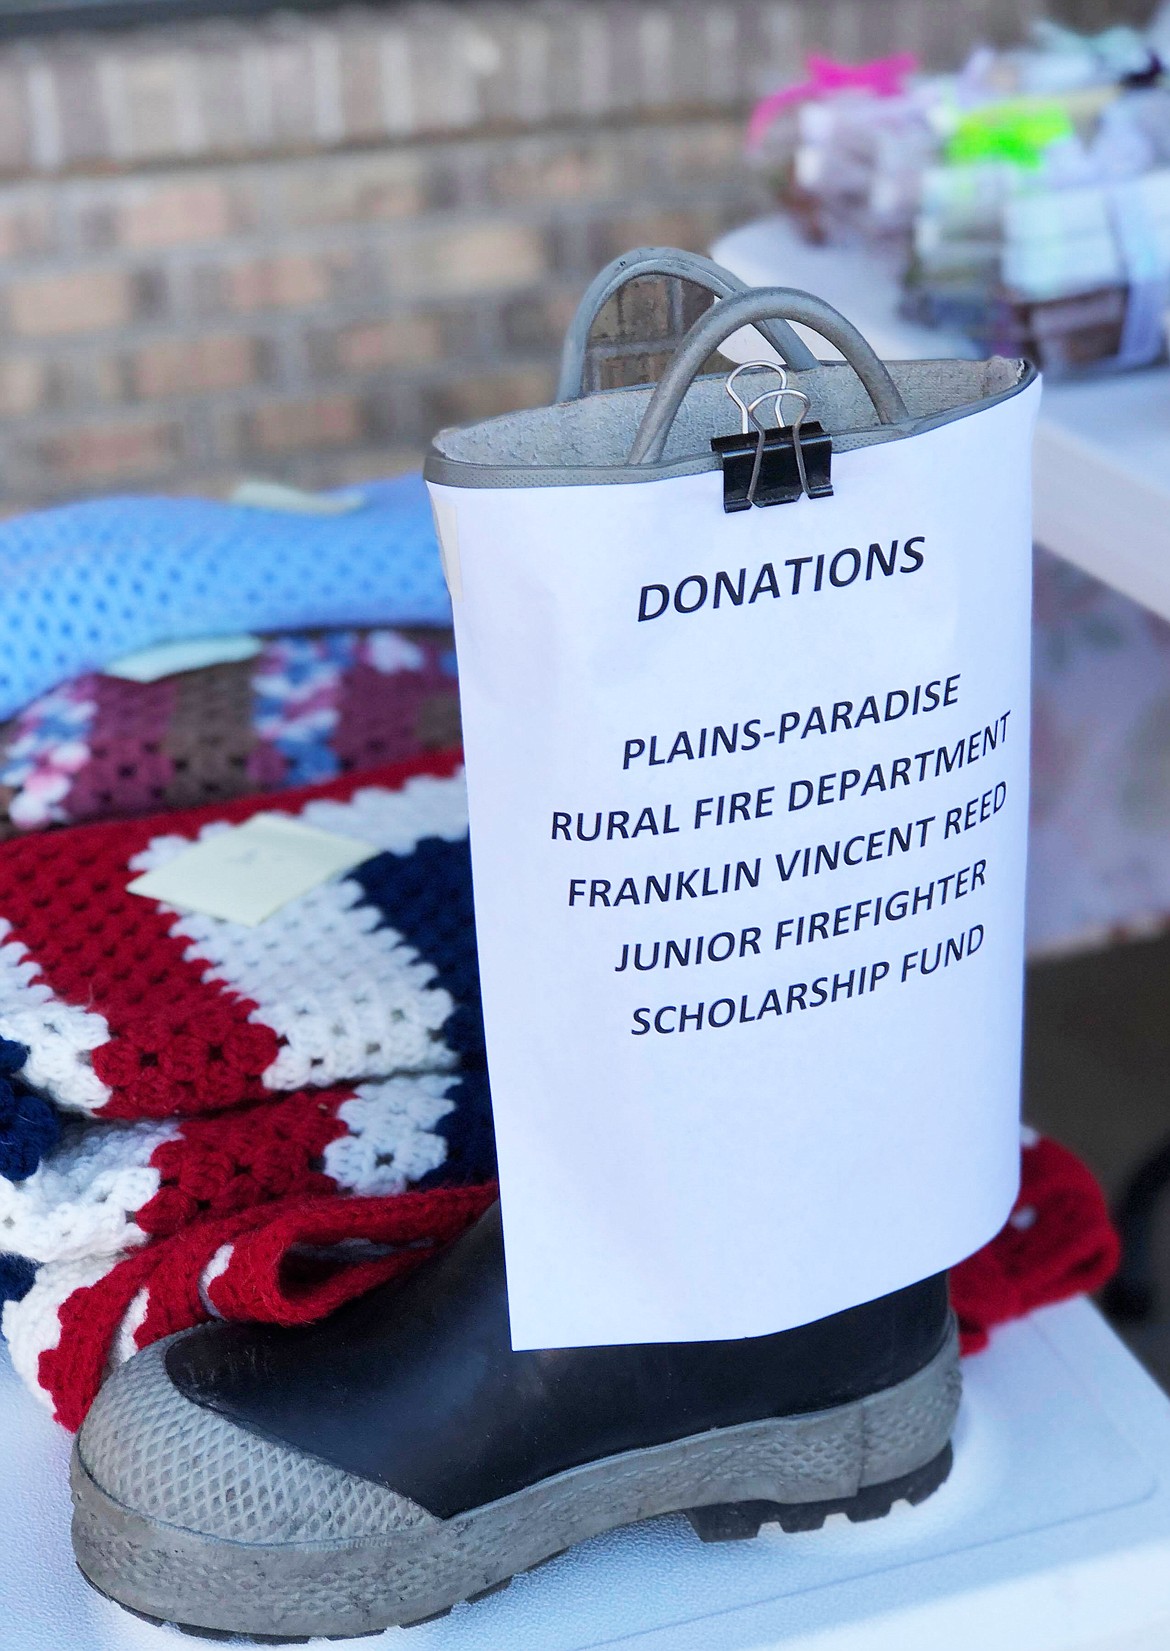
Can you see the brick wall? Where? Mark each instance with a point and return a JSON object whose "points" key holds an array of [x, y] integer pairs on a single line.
{"points": [[295, 246]]}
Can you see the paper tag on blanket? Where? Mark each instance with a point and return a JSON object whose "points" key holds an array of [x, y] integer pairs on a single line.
{"points": [[247, 872], [194, 654]]}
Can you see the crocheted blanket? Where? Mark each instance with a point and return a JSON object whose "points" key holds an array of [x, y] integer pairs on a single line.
{"points": [[295, 1259], [86, 583], [113, 1187], [343, 1034], [307, 708], [130, 1009]]}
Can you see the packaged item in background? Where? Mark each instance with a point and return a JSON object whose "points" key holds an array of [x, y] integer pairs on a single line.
{"points": [[1073, 278], [845, 149], [1024, 197], [1044, 228]]}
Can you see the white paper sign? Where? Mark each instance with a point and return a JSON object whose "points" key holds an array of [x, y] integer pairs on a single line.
{"points": [[748, 811]]}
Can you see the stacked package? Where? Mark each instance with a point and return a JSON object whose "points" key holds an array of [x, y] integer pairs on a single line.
{"points": [[1026, 200], [1037, 241], [846, 149]]}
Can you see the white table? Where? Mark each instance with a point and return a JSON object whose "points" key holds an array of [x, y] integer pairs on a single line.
{"points": [[1052, 1534], [1102, 476]]}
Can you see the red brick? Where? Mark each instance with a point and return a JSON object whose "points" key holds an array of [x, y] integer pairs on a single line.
{"points": [[617, 372], [145, 89], [692, 227], [91, 380], [479, 258], [361, 188], [292, 81], [67, 120], [85, 300], [175, 214], [539, 320], [174, 366], [285, 281], [26, 224], [24, 384], [351, 467], [220, 68], [360, 43], [466, 400], [551, 170], [106, 452], [641, 310], [701, 152], [399, 341], [15, 120], [287, 426]]}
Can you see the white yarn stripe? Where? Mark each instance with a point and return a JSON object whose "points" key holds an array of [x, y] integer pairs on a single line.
{"points": [[125, 1343], [215, 1268], [397, 821], [391, 1140], [82, 1199], [60, 1037], [33, 1326], [348, 999], [389, 651]]}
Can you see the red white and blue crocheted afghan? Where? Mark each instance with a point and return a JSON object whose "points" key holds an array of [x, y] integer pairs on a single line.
{"points": [[213, 1085]]}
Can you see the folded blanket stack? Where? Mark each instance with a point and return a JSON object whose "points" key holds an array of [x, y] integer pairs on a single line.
{"points": [[86, 583], [221, 1079]]}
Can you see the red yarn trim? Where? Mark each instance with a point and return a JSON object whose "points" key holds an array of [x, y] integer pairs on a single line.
{"points": [[1059, 1243], [1067, 1248], [72, 1372], [170, 1270], [265, 1279]]}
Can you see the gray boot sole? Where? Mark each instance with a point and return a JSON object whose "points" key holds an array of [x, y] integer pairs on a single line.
{"points": [[856, 1459]]}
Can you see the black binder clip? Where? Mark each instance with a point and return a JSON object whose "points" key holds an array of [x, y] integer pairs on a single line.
{"points": [[763, 466]]}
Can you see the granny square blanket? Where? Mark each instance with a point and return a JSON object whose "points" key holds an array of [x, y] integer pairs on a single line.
{"points": [[129, 1009]]}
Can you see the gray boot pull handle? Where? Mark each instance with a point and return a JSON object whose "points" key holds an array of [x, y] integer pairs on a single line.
{"points": [[746, 310], [685, 266]]}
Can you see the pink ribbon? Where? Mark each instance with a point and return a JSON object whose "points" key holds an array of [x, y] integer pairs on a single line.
{"points": [[883, 77]]}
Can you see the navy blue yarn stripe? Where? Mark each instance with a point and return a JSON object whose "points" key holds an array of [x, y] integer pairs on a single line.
{"points": [[30, 1126], [426, 897], [17, 1273]]}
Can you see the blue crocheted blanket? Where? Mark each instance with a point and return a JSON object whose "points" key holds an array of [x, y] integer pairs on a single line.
{"points": [[88, 582]]}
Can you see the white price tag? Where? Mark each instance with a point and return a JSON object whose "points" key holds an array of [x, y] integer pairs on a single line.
{"points": [[247, 872]]}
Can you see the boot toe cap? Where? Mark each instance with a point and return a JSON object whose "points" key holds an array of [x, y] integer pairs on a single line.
{"points": [[167, 1459]]}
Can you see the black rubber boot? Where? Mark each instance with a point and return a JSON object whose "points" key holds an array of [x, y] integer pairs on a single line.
{"points": [[398, 1458]]}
